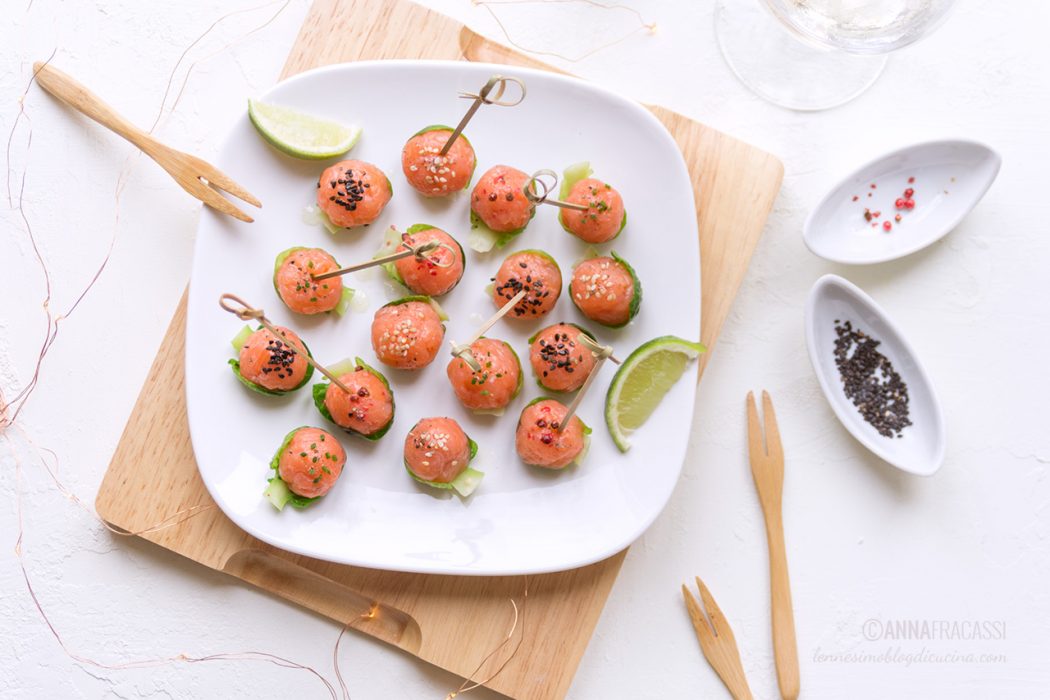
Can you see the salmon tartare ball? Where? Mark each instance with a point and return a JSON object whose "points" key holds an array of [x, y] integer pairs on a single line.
{"points": [[538, 441], [310, 461], [605, 216], [561, 362], [268, 364], [407, 333], [353, 193], [293, 278], [437, 450], [432, 174], [498, 382], [439, 270], [606, 290], [368, 410], [533, 271], [499, 202]]}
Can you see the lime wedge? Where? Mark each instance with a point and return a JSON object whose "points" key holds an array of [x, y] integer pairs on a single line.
{"points": [[642, 382], [299, 134]]}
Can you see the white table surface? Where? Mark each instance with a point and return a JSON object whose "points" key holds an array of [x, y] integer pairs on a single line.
{"points": [[864, 541]]}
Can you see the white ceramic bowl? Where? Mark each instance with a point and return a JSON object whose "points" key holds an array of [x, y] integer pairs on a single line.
{"points": [[521, 519], [920, 449], [950, 177]]}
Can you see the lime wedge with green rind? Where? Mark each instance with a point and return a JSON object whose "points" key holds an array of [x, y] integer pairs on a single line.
{"points": [[300, 134], [642, 381]]}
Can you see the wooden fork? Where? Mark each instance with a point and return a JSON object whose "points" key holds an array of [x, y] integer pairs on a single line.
{"points": [[194, 175], [717, 641], [767, 467]]}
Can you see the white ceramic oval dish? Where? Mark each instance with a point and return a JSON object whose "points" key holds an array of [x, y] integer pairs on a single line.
{"points": [[920, 449], [950, 178], [521, 519]]}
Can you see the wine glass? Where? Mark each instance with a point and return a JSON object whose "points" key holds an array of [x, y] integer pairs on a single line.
{"points": [[817, 54]]}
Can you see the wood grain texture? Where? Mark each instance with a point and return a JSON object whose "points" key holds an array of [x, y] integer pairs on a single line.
{"points": [[451, 621], [717, 640], [767, 468], [185, 169]]}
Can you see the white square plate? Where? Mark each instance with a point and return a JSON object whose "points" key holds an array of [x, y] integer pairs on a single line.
{"points": [[521, 519]]}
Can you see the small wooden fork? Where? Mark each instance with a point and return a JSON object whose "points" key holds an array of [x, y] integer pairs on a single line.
{"points": [[194, 175], [767, 467], [717, 641]]}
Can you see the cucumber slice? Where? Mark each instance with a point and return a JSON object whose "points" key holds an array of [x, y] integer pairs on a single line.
{"points": [[586, 447], [573, 174], [589, 252], [279, 260], [483, 239], [467, 481], [279, 492], [327, 223], [538, 399], [542, 253], [235, 364], [521, 372], [420, 297], [344, 366], [241, 338], [578, 327], [437, 307], [416, 228], [389, 246], [636, 300], [344, 301], [319, 391], [464, 484]]}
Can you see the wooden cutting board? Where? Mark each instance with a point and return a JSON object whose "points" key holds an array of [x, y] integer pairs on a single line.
{"points": [[450, 621]]}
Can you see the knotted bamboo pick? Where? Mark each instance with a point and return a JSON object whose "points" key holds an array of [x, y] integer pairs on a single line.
{"points": [[537, 181], [498, 82], [603, 353], [463, 351], [247, 313]]}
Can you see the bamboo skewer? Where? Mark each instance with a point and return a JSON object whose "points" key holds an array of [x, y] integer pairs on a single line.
{"points": [[412, 250], [596, 348], [536, 181], [603, 353], [497, 82], [463, 351], [247, 313]]}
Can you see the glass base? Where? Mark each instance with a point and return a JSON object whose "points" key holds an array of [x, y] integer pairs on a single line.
{"points": [[781, 68]]}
